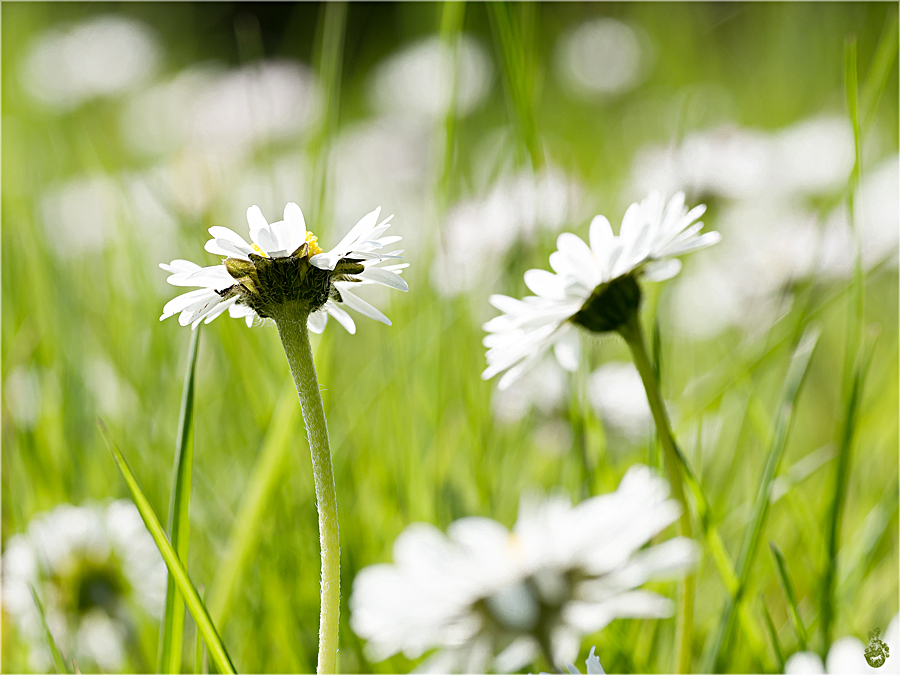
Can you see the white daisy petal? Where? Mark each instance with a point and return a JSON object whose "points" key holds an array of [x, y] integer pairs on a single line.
{"points": [[384, 277], [317, 321], [293, 216], [341, 317], [256, 219], [356, 303]]}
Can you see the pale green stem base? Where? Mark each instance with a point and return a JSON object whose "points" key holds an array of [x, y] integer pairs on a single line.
{"points": [[291, 321], [634, 337]]}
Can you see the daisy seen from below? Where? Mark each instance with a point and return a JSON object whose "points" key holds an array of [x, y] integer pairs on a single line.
{"points": [[593, 286], [597, 287], [285, 263], [285, 276], [485, 597]]}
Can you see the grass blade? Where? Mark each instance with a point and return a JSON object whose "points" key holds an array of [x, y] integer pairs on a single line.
{"points": [[195, 605], [199, 661], [773, 635], [841, 480], [269, 468], [879, 71], [58, 660], [452, 17], [792, 383], [518, 71], [329, 51], [179, 528], [787, 586]]}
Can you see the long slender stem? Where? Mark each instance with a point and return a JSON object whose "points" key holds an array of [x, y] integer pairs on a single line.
{"points": [[634, 337], [291, 321]]}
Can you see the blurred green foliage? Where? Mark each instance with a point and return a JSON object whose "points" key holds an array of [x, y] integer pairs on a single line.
{"points": [[412, 433]]}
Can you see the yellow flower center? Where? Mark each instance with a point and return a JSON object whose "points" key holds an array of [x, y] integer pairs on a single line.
{"points": [[312, 240]]}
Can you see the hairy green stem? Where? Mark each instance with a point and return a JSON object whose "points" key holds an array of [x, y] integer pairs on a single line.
{"points": [[634, 337], [291, 320]]}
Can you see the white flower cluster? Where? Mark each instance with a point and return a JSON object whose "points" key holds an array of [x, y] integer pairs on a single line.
{"points": [[485, 596], [92, 566]]}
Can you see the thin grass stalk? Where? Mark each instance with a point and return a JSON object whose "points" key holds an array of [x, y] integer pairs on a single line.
{"points": [[773, 636], [879, 71], [787, 586], [291, 321], [59, 660], [453, 14], [195, 605], [518, 73], [329, 50], [179, 524], [841, 482], [267, 472], [634, 337], [792, 384]]}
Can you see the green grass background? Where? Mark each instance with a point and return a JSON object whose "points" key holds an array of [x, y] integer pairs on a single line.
{"points": [[412, 434]]}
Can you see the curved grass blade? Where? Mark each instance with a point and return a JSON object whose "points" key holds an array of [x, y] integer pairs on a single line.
{"points": [[269, 468], [773, 635], [58, 660], [518, 70], [179, 525], [195, 605], [841, 480], [787, 586], [792, 383]]}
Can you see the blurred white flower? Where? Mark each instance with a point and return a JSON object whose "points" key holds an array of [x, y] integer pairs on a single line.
{"points": [[812, 157], [650, 240], [383, 159], [104, 56], [22, 395], [602, 56], [847, 656], [234, 285], [515, 208], [617, 395], [418, 81], [80, 216], [877, 209], [544, 389], [768, 246], [484, 597], [91, 566], [222, 113]]}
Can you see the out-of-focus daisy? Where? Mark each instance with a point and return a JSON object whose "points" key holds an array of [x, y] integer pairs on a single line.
{"points": [[285, 264], [617, 394], [93, 567], [848, 656], [486, 597], [594, 286]]}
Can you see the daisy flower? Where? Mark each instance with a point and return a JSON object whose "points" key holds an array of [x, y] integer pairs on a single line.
{"points": [[593, 285], [94, 568], [284, 264], [484, 597]]}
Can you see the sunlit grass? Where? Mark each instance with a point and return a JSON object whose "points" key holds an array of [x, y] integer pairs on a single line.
{"points": [[412, 432]]}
